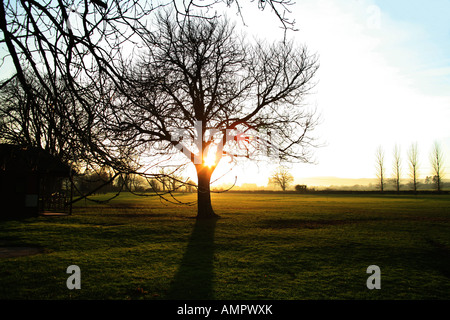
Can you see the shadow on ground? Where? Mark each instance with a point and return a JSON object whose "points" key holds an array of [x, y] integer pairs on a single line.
{"points": [[194, 278]]}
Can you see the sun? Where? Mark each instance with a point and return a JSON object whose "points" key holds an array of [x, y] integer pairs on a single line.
{"points": [[210, 159]]}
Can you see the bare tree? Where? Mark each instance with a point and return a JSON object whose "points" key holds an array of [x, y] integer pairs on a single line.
{"points": [[62, 47], [227, 86], [202, 91], [413, 159], [437, 165], [170, 178], [281, 177], [397, 167], [380, 169], [40, 120], [76, 38]]}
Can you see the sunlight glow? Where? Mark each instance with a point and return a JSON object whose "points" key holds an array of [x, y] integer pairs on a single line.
{"points": [[210, 159]]}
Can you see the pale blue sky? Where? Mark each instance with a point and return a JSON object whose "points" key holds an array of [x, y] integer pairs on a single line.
{"points": [[431, 43]]}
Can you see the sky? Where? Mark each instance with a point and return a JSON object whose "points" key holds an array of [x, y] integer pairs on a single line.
{"points": [[384, 80]]}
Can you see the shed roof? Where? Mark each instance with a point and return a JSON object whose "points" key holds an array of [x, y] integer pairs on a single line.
{"points": [[15, 158]]}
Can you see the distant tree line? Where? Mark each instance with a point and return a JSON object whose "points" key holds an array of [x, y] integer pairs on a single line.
{"points": [[282, 178], [413, 166], [104, 181]]}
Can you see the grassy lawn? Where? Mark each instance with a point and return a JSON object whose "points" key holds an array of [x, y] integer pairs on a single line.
{"points": [[265, 246]]}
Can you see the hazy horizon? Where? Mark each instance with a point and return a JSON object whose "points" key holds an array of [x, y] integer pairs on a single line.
{"points": [[323, 182]]}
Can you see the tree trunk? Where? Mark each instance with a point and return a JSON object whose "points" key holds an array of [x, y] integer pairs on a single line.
{"points": [[415, 181], [204, 207]]}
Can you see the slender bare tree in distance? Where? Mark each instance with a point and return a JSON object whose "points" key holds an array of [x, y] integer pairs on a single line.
{"points": [[437, 165], [413, 160], [397, 167], [380, 167]]}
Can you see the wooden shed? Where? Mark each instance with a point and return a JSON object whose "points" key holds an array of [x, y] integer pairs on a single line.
{"points": [[33, 182]]}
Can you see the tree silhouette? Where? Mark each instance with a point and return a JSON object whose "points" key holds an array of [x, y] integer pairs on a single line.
{"points": [[281, 177], [397, 167], [379, 166], [413, 159], [38, 119], [57, 48], [197, 80], [74, 39], [201, 90], [437, 165]]}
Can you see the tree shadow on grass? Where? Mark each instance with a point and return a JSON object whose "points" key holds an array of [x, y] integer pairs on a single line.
{"points": [[194, 278]]}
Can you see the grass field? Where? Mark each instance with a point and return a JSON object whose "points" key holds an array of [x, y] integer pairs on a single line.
{"points": [[265, 246]]}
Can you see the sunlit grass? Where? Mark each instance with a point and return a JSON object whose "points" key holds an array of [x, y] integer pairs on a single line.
{"points": [[265, 246]]}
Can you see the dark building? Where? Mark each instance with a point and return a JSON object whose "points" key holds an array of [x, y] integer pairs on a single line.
{"points": [[32, 182], [301, 188]]}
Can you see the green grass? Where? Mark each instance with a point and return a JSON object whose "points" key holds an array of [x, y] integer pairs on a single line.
{"points": [[265, 246]]}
